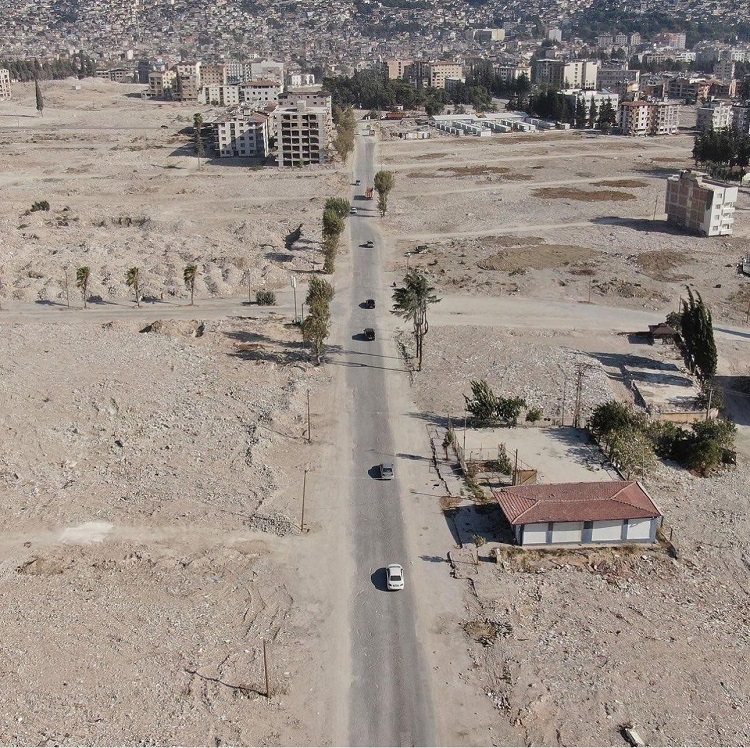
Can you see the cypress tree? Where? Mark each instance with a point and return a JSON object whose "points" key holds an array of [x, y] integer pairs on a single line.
{"points": [[39, 98]]}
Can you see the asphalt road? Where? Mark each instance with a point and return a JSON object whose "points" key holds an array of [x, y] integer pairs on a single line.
{"points": [[389, 695]]}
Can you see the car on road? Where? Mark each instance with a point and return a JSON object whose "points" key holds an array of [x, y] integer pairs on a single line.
{"points": [[352, 211], [369, 303], [394, 574], [386, 471], [369, 244], [356, 181], [369, 333]]}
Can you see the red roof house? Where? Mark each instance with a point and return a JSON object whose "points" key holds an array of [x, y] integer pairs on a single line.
{"points": [[601, 512]]}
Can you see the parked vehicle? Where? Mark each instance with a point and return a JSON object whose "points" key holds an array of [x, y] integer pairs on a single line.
{"points": [[394, 576], [356, 181], [370, 303], [369, 244], [386, 471], [352, 211], [369, 333]]}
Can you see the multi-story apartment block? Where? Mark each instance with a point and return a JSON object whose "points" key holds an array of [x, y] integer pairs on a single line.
{"points": [[688, 88], [218, 95], [716, 115], [187, 88], [673, 41], [235, 72], [161, 85], [554, 35], [295, 80], [439, 72], [317, 98], [648, 118], [260, 92], [621, 40], [508, 73], [697, 203], [724, 69], [266, 70], [214, 74], [4, 84], [635, 39], [302, 135], [486, 36], [185, 68], [605, 40], [397, 68], [241, 136], [619, 81], [598, 97], [741, 117], [560, 74]]}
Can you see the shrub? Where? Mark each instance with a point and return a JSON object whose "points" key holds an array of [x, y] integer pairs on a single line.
{"points": [[265, 298], [39, 205], [534, 414]]}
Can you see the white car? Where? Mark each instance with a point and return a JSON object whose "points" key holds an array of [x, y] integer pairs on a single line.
{"points": [[352, 211], [395, 576]]}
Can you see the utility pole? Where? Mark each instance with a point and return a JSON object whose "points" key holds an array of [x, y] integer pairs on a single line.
{"points": [[590, 281], [304, 489], [708, 407], [464, 434], [265, 670], [562, 410], [747, 314], [309, 432], [656, 205], [515, 470], [293, 281], [580, 369], [67, 290]]}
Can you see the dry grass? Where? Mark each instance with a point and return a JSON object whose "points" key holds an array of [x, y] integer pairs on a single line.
{"points": [[659, 262], [620, 183], [585, 196], [473, 171], [511, 241], [541, 257]]}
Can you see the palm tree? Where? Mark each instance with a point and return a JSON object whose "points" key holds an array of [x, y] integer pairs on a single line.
{"points": [[189, 275], [82, 281], [133, 279], [411, 302]]}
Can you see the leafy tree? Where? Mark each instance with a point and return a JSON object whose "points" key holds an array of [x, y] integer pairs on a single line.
{"points": [[592, 113], [411, 302], [698, 336], [339, 205], [39, 98], [315, 330], [333, 224], [265, 298], [483, 403], [200, 150], [611, 416], [509, 408], [630, 450], [346, 124], [189, 275], [330, 250], [384, 182], [133, 279], [320, 293], [82, 281]]}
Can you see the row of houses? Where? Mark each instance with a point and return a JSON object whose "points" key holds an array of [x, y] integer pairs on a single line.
{"points": [[720, 115]]}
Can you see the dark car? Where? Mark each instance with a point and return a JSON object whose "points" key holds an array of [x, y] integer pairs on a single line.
{"points": [[370, 304], [369, 333], [369, 244]]}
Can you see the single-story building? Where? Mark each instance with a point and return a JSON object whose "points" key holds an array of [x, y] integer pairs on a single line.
{"points": [[564, 513]]}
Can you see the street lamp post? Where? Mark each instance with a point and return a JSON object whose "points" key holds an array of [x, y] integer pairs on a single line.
{"points": [[293, 281]]}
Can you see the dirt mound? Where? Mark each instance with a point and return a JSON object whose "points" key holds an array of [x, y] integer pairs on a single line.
{"points": [[585, 196], [536, 258], [191, 328]]}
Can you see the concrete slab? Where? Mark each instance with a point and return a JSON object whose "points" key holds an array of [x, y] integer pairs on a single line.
{"points": [[559, 454]]}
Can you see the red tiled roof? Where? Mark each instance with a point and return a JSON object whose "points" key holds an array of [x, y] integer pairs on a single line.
{"points": [[576, 502]]}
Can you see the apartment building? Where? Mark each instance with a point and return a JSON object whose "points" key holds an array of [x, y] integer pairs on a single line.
{"points": [[439, 72], [619, 81], [572, 74], [485, 36], [673, 41], [317, 98], [241, 136], [302, 135], [186, 68], [700, 204], [295, 80], [218, 95], [214, 74], [724, 69], [4, 84], [640, 118], [741, 117], [509, 73], [397, 68], [598, 97], [621, 40], [265, 70], [188, 88], [716, 115], [260, 92], [161, 85], [605, 40], [688, 88]]}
